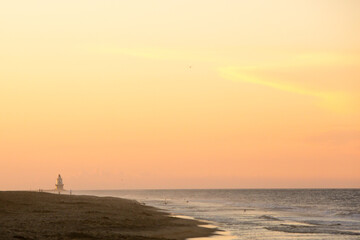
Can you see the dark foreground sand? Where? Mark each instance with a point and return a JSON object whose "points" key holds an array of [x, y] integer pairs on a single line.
{"points": [[33, 215]]}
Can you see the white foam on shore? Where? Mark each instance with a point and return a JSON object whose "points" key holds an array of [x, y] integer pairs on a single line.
{"points": [[183, 217], [208, 226], [218, 235]]}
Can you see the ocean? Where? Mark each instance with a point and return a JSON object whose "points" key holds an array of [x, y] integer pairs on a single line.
{"points": [[260, 214]]}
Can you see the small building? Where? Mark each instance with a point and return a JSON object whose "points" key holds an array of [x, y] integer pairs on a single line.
{"points": [[59, 184]]}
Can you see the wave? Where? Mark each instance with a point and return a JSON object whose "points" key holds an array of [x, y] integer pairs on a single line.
{"points": [[271, 218], [308, 229], [350, 214], [322, 222]]}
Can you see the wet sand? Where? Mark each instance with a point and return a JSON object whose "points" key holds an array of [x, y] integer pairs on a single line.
{"points": [[39, 215]]}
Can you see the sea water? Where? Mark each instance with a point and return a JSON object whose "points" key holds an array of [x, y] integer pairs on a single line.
{"points": [[261, 213]]}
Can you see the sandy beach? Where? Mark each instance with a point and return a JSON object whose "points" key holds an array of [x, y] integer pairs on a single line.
{"points": [[39, 215]]}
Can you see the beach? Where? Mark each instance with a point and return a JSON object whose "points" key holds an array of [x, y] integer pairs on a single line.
{"points": [[261, 214], [40, 215]]}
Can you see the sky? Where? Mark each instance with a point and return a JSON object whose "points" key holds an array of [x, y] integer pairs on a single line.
{"points": [[179, 94]]}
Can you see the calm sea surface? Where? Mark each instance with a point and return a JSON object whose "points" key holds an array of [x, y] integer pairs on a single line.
{"points": [[261, 213]]}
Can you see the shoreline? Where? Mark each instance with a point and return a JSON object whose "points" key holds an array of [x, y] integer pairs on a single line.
{"points": [[41, 215], [218, 234]]}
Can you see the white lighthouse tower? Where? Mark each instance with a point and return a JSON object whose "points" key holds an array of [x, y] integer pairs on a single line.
{"points": [[59, 184]]}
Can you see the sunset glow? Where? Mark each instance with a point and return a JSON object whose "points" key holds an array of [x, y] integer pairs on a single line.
{"points": [[180, 94]]}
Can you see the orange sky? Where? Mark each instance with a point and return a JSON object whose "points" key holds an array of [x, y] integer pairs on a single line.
{"points": [[179, 94]]}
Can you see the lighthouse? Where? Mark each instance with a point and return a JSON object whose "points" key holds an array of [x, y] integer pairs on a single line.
{"points": [[59, 184]]}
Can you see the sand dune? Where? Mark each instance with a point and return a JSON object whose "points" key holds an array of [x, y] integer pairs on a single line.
{"points": [[33, 215]]}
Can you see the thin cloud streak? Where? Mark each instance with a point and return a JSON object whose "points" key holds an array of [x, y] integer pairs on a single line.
{"points": [[336, 101]]}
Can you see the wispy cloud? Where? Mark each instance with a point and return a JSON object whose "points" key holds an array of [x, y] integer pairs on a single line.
{"points": [[336, 101]]}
